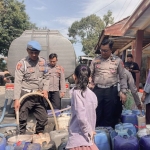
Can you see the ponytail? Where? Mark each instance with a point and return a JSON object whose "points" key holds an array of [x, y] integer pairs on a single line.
{"points": [[82, 73]]}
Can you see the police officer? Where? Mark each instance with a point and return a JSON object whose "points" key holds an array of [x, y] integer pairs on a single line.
{"points": [[30, 75], [57, 81], [133, 67], [105, 70], [131, 86]]}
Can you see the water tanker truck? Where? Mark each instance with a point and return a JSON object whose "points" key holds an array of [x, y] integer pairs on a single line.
{"points": [[51, 42]]}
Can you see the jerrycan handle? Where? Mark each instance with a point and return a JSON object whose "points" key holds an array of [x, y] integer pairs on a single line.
{"points": [[141, 114], [125, 133]]}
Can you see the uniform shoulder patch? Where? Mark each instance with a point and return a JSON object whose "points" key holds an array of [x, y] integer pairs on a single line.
{"points": [[41, 63], [115, 56], [19, 65], [41, 59]]}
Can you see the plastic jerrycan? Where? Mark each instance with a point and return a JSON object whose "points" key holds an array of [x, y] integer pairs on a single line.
{"points": [[57, 135], [144, 142], [63, 143], [2, 143], [137, 112], [34, 146], [126, 143], [63, 121], [101, 140], [121, 133], [128, 117], [130, 126]]}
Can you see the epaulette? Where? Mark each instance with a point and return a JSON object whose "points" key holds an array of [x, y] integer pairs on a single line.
{"points": [[113, 57], [97, 59], [20, 63], [42, 58]]}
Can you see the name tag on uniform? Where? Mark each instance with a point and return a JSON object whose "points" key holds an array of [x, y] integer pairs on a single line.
{"points": [[113, 63], [97, 65], [31, 70], [41, 63], [42, 68]]}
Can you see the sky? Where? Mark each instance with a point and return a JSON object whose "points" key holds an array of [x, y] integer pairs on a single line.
{"points": [[60, 14]]}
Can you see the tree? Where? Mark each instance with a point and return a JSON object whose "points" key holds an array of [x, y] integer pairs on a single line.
{"points": [[2, 64], [13, 21], [87, 31], [108, 19]]}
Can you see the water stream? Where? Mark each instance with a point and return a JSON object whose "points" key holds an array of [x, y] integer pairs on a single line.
{"points": [[17, 133]]}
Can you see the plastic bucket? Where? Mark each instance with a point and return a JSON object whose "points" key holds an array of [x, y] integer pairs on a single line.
{"points": [[21, 138]]}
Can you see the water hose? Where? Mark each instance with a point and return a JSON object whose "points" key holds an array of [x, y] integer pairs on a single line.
{"points": [[39, 94], [4, 110], [2, 117], [57, 111]]}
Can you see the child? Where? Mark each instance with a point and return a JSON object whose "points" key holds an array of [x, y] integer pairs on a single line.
{"points": [[83, 106]]}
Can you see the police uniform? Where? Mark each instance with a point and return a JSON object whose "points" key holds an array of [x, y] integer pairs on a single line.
{"points": [[131, 86], [56, 84], [30, 75], [104, 74], [130, 82]]}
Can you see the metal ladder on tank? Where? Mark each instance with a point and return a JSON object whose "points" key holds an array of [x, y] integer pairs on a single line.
{"points": [[44, 48]]}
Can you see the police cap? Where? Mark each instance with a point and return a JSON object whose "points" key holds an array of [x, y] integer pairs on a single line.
{"points": [[34, 45]]}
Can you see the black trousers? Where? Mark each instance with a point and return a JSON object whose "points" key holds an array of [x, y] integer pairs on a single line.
{"points": [[118, 111], [54, 98], [148, 113], [107, 103], [36, 105]]}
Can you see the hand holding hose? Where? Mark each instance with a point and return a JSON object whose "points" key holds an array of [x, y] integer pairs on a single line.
{"points": [[17, 105], [45, 93]]}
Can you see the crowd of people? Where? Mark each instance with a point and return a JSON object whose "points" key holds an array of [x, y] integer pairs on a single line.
{"points": [[96, 100]]}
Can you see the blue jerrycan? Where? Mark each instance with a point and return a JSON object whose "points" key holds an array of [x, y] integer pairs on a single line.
{"points": [[101, 140], [128, 117], [33, 146], [130, 126], [126, 143], [121, 133], [138, 112], [27, 146], [2, 143], [144, 142]]}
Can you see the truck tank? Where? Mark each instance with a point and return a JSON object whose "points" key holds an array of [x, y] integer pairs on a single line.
{"points": [[51, 41]]}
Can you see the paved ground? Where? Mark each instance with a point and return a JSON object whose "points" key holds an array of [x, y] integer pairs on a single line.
{"points": [[9, 115], [7, 120]]}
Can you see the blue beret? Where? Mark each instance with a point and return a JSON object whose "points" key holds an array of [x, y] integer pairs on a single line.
{"points": [[34, 45]]}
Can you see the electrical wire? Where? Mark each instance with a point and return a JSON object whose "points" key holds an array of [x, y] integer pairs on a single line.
{"points": [[105, 6], [120, 10]]}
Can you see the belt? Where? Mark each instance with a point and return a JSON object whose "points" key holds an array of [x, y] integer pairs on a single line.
{"points": [[105, 86], [29, 91]]}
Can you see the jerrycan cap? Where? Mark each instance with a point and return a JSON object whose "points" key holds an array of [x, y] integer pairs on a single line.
{"points": [[128, 112]]}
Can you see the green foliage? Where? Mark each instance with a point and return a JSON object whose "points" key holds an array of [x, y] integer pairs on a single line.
{"points": [[2, 64], [13, 21], [130, 104], [108, 19], [87, 31]]}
